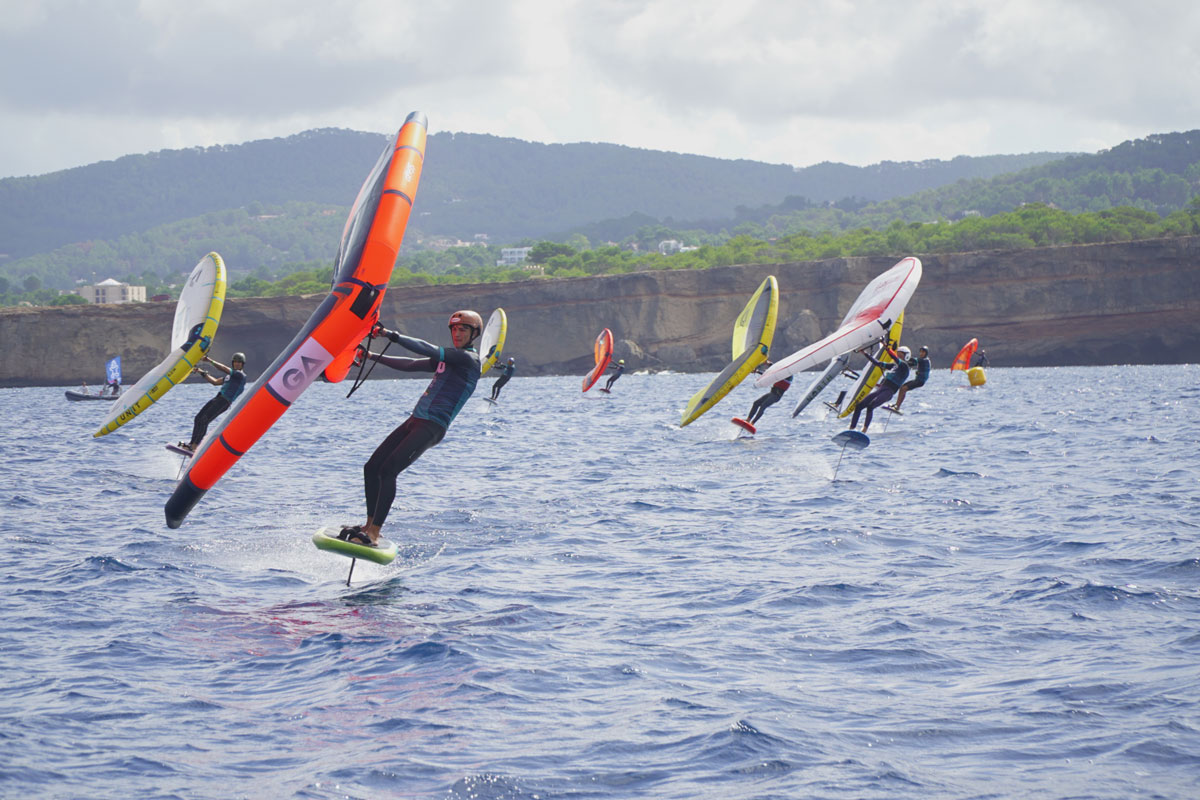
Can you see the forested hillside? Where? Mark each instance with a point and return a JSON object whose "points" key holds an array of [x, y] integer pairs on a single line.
{"points": [[263, 240], [472, 183], [1159, 174]]}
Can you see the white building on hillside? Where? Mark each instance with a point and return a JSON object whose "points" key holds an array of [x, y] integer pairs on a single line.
{"points": [[511, 256], [113, 291]]}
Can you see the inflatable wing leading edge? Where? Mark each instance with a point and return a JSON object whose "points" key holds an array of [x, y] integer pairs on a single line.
{"points": [[370, 245], [835, 367], [603, 350], [200, 303], [491, 344], [963, 359], [752, 335], [867, 320]]}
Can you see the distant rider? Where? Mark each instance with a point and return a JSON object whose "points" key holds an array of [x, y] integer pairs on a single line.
{"points": [[506, 372], [231, 385], [456, 371], [894, 377], [769, 399], [619, 367], [981, 359], [921, 363]]}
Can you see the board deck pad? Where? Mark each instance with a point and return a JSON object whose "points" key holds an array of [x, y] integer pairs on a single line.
{"points": [[183, 451], [852, 438], [326, 539]]}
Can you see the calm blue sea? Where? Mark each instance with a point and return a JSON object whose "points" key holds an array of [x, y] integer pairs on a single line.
{"points": [[997, 599]]}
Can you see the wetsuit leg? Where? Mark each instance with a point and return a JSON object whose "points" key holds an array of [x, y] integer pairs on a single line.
{"points": [[762, 404], [496, 386], [756, 410], [854, 420], [400, 449], [210, 411], [878, 396]]}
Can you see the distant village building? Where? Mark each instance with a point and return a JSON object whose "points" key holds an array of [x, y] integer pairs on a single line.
{"points": [[671, 246], [113, 291], [512, 256]]}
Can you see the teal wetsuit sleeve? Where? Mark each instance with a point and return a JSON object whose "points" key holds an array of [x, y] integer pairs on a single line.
{"points": [[418, 346], [405, 364]]}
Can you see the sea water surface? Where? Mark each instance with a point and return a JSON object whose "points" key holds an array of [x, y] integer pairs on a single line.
{"points": [[998, 598]]}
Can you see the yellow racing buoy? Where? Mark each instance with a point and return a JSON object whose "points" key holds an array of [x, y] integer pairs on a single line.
{"points": [[976, 376]]}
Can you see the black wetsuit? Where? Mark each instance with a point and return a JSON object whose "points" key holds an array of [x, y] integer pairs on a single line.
{"points": [[507, 371], [981, 359], [235, 382], [892, 380], [923, 367], [613, 379], [767, 400], [456, 371]]}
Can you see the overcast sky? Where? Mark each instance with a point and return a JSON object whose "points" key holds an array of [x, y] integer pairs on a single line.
{"points": [[782, 81]]}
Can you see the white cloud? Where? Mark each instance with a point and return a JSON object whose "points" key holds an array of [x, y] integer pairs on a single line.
{"points": [[770, 80]]}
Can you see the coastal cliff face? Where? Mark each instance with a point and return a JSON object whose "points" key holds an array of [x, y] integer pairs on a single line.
{"points": [[1136, 302]]}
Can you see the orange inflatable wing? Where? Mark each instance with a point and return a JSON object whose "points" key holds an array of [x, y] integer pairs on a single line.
{"points": [[338, 369], [603, 350], [963, 359], [370, 243]]}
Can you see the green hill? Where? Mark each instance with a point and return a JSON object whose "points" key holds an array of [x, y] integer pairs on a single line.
{"points": [[473, 183], [276, 207]]}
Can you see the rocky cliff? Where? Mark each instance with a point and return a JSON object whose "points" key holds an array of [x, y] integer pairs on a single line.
{"points": [[1136, 302]]}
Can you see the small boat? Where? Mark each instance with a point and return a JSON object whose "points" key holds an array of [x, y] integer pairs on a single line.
{"points": [[112, 380], [84, 394]]}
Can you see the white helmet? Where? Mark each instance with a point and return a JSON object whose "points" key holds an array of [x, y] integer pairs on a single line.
{"points": [[904, 351]]}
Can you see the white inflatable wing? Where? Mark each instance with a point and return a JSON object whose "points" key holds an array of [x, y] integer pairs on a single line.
{"points": [[869, 318]]}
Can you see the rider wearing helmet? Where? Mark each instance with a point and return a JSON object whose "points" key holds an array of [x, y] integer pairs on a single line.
{"points": [[619, 367], [922, 365], [894, 377], [455, 373], [231, 385], [506, 372]]}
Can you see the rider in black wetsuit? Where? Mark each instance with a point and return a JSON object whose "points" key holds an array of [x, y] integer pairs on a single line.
{"points": [[893, 379], [506, 372], [231, 386], [456, 371], [619, 367], [923, 368], [769, 399]]}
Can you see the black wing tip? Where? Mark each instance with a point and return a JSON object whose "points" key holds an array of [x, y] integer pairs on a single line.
{"points": [[181, 502], [419, 118]]}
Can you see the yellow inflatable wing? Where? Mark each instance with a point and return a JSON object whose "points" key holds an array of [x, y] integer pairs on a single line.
{"points": [[752, 335], [491, 344], [200, 304]]}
